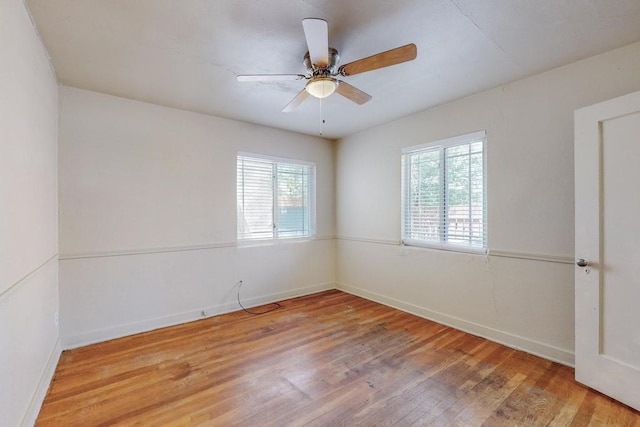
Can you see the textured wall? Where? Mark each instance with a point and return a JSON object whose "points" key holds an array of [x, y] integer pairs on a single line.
{"points": [[28, 217], [148, 217], [522, 293]]}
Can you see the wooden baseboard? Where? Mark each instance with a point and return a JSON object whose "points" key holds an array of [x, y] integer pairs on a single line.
{"points": [[517, 342], [546, 351], [120, 331], [40, 393]]}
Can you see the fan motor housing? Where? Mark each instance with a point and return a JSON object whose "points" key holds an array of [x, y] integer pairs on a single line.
{"points": [[329, 69]]}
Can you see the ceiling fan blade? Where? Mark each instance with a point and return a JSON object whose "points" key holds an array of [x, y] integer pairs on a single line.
{"points": [[295, 102], [316, 32], [384, 59], [352, 93], [269, 77]]}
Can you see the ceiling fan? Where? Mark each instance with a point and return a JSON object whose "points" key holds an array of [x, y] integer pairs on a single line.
{"points": [[321, 62]]}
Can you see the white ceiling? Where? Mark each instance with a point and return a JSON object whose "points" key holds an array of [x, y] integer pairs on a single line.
{"points": [[187, 53]]}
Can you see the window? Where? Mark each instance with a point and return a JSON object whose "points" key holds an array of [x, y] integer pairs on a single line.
{"points": [[276, 198], [444, 194]]}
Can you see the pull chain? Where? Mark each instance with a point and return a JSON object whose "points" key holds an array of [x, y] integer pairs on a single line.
{"points": [[321, 117]]}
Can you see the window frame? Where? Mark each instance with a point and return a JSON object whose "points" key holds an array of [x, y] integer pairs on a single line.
{"points": [[276, 237], [442, 144]]}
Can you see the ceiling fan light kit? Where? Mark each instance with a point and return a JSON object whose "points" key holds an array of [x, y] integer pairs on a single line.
{"points": [[321, 87], [321, 62]]}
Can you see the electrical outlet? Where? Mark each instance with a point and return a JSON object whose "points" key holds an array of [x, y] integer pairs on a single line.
{"points": [[55, 318]]}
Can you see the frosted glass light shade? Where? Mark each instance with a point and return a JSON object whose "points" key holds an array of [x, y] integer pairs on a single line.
{"points": [[321, 87]]}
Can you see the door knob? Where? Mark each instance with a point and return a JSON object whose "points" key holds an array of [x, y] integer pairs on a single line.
{"points": [[582, 262]]}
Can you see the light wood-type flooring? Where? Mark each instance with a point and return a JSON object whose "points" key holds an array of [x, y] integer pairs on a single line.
{"points": [[325, 359]]}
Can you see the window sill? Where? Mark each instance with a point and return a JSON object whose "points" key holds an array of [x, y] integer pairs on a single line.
{"points": [[445, 247], [272, 242]]}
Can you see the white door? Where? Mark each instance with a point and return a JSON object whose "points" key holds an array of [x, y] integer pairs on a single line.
{"points": [[607, 211]]}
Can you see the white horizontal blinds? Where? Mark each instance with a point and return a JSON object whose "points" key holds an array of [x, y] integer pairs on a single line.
{"points": [[423, 201], [294, 200], [444, 200], [255, 198], [464, 216]]}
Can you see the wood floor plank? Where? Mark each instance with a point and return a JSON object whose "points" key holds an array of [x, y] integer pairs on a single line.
{"points": [[324, 359]]}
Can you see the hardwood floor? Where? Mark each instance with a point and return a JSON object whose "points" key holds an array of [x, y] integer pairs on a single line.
{"points": [[325, 359]]}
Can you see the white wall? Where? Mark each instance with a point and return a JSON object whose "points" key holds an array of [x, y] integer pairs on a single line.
{"points": [[148, 217], [523, 294], [28, 218]]}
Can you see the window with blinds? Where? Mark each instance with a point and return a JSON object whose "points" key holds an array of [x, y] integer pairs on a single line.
{"points": [[444, 194], [275, 198]]}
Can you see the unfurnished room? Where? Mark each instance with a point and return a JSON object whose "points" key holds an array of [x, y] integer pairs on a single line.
{"points": [[319, 212]]}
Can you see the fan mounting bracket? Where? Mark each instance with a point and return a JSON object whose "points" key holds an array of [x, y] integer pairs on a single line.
{"points": [[320, 70]]}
